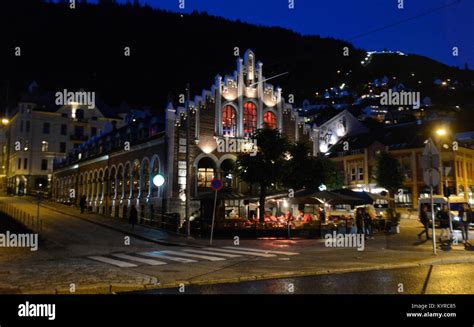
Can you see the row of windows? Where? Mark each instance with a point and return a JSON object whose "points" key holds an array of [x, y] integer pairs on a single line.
{"points": [[229, 120], [78, 130], [45, 147], [44, 163]]}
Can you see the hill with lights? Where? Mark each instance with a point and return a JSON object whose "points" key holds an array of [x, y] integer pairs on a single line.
{"points": [[84, 48]]}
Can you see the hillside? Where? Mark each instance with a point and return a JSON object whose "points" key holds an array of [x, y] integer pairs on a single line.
{"points": [[83, 48]]}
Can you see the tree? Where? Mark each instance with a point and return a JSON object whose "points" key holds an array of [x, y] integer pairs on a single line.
{"points": [[303, 170], [389, 174], [264, 168]]}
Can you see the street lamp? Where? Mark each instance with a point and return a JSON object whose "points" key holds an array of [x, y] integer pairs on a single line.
{"points": [[158, 180], [5, 121], [441, 132]]}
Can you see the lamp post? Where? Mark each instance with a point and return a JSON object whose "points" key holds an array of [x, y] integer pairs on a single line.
{"points": [[441, 132]]}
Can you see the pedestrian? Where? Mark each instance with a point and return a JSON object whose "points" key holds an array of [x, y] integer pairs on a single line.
{"points": [[443, 217], [424, 221], [466, 217], [359, 217], [82, 203], [368, 225], [322, 215], [133, 216]]}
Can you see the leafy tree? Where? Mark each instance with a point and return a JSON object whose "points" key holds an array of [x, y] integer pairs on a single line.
{"points": [[306, 171], [389, 173], [264, 168], [332, 176]]}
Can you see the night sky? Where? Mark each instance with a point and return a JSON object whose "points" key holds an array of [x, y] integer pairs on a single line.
{"points": [[426, 27]]}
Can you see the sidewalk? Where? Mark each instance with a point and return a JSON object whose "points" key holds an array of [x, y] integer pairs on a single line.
{"points": [[141, 232]]}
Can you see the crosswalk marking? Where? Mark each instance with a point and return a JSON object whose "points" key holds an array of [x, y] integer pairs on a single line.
{"points": [[206, 257], [260, 250], [257, 254], [117, 263], [186, 255], [228, 255], [158, 254], [150, 262]]}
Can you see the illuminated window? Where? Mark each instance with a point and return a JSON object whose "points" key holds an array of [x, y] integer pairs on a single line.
{"points": [[250, 118], [205, 176], [229, 125], [269, 120], [44, 146], [361, 173]]}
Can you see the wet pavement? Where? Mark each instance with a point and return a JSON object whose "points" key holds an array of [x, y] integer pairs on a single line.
{"points": [[438, 279]]}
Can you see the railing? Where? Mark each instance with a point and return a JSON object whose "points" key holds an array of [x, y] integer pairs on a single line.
{"points": [[31, 222], [77, 137], [162, 221]]}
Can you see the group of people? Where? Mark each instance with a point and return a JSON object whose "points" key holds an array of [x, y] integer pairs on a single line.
{"points": [[465, 215], [364, 222]]}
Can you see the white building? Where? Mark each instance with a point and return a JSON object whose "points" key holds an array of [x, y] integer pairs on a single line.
{"points": [[37, 135]]}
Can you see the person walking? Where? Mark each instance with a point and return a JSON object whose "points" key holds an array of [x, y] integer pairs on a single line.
{"points": [[369, 233], [359, 218], [133, 216], [82, 203], [466, 217], [425, 221], [443, 216]]}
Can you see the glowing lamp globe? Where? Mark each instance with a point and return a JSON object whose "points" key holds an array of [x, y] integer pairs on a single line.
{"points": [[158, 180]]}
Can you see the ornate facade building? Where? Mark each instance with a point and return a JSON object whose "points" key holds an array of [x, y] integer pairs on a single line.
{"points": [[113, 177]]}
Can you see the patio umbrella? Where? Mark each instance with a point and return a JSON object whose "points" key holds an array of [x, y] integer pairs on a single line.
{"points": [[368, 198], [336, 198], [305, 200]]}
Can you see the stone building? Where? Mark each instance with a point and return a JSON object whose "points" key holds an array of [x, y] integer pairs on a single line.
{"points": [[113, 178], [406, 143]]}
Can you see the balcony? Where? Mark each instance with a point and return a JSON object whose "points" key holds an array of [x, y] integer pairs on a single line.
{"points": [[78, 137]]}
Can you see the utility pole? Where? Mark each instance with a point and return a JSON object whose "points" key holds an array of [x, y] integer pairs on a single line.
{"points": [[189, 166]]}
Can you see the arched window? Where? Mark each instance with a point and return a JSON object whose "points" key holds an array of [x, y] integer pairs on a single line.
{"points": [[145, 178], [229, 121], [120, 182], [269, 120], [126, 181], [250, 119], [113, 176], [155, 169], [136, 178]]}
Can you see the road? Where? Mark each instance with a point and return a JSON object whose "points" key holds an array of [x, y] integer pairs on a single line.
{"points": [[95, 259], [438, 279]]}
